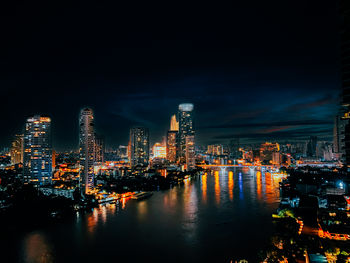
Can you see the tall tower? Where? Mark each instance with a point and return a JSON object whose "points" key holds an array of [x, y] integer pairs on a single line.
{"points": [[174, 124], [37, 148], [17, 149], [139, 146], [171, 146], [345, 75], [185, 116], [86, 150], [190, 153]]}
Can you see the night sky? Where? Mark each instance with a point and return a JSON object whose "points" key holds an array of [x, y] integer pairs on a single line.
{"points": [[254, 69]]}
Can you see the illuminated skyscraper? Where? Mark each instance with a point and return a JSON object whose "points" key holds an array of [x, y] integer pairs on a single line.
{"points": [[99, 148], [190, 153], [139, 146], [17, 149], [86, 150], [37, 156], [171, 148], [174, 124], [186, 128]]}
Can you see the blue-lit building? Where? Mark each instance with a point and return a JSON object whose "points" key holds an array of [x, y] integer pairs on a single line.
{"points": [[185, 117], [86, 150], [37, 151]]}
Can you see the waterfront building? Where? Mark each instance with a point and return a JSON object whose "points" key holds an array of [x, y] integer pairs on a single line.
{"points": [[276, 158], [215, 149], [37, 151], [86, 150], [174, 124], [99, 148], [17, 149], [139, 146], [186, 128], [234, 147], [190, 153], [159, 150], [266, 151], [172, 146]]}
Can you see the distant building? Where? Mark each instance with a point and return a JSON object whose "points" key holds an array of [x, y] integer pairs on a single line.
{"points": [[86, 150], [159, 150], [338, 138], [266, 151], [37, 151], [139, 146], [99, 148], [190, 153], [186, 128], [172, 146], [276, 158], [234, 146], [17, 149], [215, 149], [311, 147], [174, 124], [123, 151]]}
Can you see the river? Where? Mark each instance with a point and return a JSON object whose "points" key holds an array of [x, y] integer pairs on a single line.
{"points": [[223, 215]]}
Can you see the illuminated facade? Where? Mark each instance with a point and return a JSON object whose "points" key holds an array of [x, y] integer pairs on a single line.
{"points": [[37, 151], [99, 148], [171, 148], [174, 124], [139, 146], [215, 149], [17, 149], [159, 150], [86, 150], [266, 151], [190, 153], [186, 128]]}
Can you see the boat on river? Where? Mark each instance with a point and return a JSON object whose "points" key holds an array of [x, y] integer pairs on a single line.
{"points": [[142, 195]]}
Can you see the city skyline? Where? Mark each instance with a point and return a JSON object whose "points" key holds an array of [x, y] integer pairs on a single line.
{"points": [[287, 85]]}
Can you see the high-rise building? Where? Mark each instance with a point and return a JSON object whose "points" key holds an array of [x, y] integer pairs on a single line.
{"points": [[190, 153], [234, 146], [172, 146], [276, 158], [86, 150], [215, 149], [159, 150], [266, 151], [37, 151], [174, 124], [17, 149], [139, 146], [186, 128], [311, 147], [123, 151], [99, 148]]}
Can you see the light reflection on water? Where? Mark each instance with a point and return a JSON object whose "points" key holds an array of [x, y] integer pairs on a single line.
{"points": [[219, 216]]}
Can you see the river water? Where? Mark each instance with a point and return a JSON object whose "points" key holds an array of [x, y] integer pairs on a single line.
{"points": [[223, 215]]}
